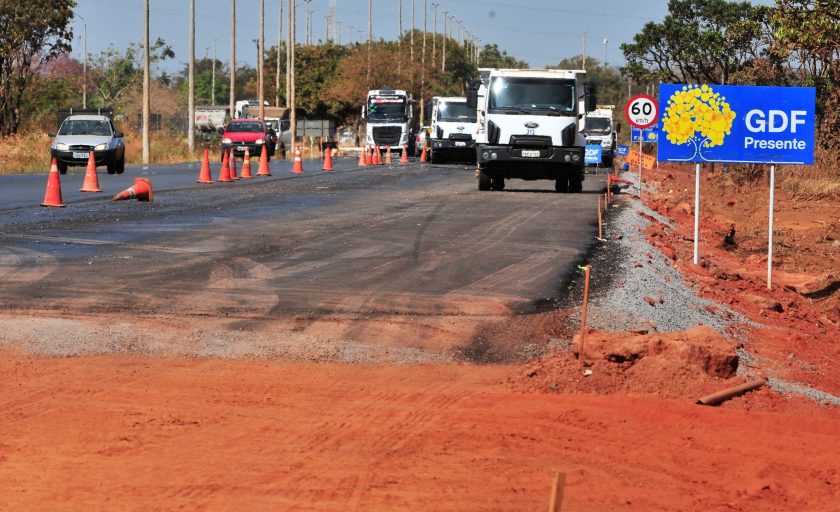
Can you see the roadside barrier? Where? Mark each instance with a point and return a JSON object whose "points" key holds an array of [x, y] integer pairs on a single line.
{"points": [[264, 170], [246, 166], [91, 183], [53, 194], [224, 173], [328, 163], [404, 157], [141, 190], [297, 168], [204, 176]]}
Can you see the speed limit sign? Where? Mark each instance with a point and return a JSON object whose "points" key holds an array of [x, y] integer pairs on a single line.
{"points": [[642, 111]]}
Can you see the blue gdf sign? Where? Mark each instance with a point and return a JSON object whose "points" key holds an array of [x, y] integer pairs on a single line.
{"points": [[736, 124], [647, 135], [622, 150], [592, 154]]}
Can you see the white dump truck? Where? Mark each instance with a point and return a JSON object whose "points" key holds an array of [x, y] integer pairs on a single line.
{"points": [[453, 130], [391, 120], [599, 128], [529, 126]]}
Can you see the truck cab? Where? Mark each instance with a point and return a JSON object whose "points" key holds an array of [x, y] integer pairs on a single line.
{"points": [[391, 120], [598, 128], [453, 130], [529, 126]]}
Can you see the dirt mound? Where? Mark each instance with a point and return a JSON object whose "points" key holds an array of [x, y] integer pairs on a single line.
{"points": [[681, 364]]}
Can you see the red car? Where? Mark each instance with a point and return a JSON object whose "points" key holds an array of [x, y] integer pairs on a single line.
{"points": [[252, 134]]}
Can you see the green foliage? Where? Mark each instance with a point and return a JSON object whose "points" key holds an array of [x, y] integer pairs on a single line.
{"points": [[491, 57], [31, 34], [114, 73], [610, 87]]}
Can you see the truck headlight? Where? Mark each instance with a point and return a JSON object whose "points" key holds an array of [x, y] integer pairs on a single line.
{"points": [[62, 146], [101, 147], [226, 141], [576, 157]]}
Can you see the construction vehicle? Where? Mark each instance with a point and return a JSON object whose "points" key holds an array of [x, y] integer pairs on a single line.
{"points": [[599, 129], [391, 119], [452, 135]]}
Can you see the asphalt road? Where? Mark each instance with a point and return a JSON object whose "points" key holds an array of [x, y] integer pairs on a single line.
{"points": [[400, 240]]}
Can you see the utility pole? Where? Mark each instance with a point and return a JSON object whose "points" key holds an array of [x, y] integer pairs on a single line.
{"points": [[277, 57], [308, 22], [399, 43], [412, 32], [339, 23], [146, 78], [292, 50], [213, 77], [434, 35], [370, 36], [606, 42], [191, 101], [584, 50], [423, 64], [84, 72], [290, 43], [443, 62], [232, 59], [261, 50]]}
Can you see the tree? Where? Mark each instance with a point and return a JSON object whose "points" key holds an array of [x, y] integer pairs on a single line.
{"points": [[698, 41], [491, 57], [114, 73], [610, 88], [31, 34]]}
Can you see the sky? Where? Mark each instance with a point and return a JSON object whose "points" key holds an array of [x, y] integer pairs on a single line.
{"points": [[540, 32]]}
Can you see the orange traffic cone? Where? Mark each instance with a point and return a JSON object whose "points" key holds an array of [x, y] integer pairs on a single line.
{"points": [[423, 155], [297, 168], [328, 164], [404, 157], [204, 175], [369, 156], [53, 195], [263, 170], [377, 156], [91, 183], [224, 173], [246, 166], [141, 190], [388, 159], [232, 164], [362, 159]]}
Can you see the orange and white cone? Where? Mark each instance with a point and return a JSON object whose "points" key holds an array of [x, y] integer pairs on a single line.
{"points": [[204, 176], [91, 183], [423, 155], [53, 195], [388, 158], [362, 159], [264, 170], [232, 164], [224, 173], [246, 166], [141, 190], [328, 163], [369, 156], [297, 168], [404, 157], [377, 156]]}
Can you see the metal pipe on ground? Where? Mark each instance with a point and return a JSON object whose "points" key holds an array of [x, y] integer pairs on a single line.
{"points": [[726, 394]]}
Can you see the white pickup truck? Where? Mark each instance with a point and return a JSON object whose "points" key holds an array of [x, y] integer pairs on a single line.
{"points": [[529, 126], [453, 130]]}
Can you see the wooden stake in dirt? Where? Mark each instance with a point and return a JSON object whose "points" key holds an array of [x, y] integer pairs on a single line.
{"points": [[583, 313], [696, 212], [557, 492], [770, 232], [600, 220]]}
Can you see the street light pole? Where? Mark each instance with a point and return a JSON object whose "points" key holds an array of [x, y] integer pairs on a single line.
{"points": [[370, 36], [146, 78], [232, 59], [443, 62], [277, 56], [191, 101], [434, 34], [261, 51], [423, 64], [292, 50], [289, 47], [213, 78], [584, 50]]}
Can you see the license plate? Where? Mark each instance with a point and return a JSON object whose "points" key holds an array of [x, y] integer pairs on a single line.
{"points": [[461, 144], [241, 148], [79, 155], [530, 153]]}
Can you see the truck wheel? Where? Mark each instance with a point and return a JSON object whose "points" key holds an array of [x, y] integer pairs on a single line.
{"points": [[121, 165], [62, 168], [576, 184], [561, 185], [436, 159], [112, 167], [498, 184], [484, 181]]}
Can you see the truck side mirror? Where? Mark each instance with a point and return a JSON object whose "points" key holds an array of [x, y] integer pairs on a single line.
{"points": [[472, 93], [590, 97], [617, 127], [364, 111]]}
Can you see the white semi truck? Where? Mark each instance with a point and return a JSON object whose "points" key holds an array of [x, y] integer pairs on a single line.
{"points": [[598, 128], [391, 120], [529, 126], [453, 130]]}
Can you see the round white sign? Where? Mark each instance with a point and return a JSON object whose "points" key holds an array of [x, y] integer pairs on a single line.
{"points": [[642, 111]]}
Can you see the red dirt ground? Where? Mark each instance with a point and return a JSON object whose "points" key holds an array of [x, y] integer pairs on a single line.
{"points": [[165, 433]]}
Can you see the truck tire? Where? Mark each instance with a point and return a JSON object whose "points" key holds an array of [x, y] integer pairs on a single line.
{"points": [[436, 160], [561, 185], [498, 184], [112, 166], [576, 184], [62, 168], [121, 165], [484, 181]]}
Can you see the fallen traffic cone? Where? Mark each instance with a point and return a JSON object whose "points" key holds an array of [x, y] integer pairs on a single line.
{"points": [[328, 164], [232, 164], [369, 156], [224, 173], [362, 159], [204, 176], [404, 157], [423, 155], [53, 195], [263, 170], [91, 183], [297, 168], [388, 159], [141, 190], [246, 166]]}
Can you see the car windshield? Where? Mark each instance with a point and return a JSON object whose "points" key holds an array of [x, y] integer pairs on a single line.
{"points": [[246, 127], [454, 112], [597, 125], [391, 108], [524, 95], [85, 127]]}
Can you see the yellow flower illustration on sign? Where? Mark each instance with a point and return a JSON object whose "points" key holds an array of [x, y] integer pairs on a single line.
{"points": [[697, 109]]}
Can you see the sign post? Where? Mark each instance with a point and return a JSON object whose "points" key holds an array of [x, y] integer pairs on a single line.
{"points": [[642, 112], [737, 124]]}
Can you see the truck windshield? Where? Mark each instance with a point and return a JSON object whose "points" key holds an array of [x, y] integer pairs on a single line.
{"points": [[455, 112], [597, 125], [386, 108], [517, 95], [85, 127]]}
